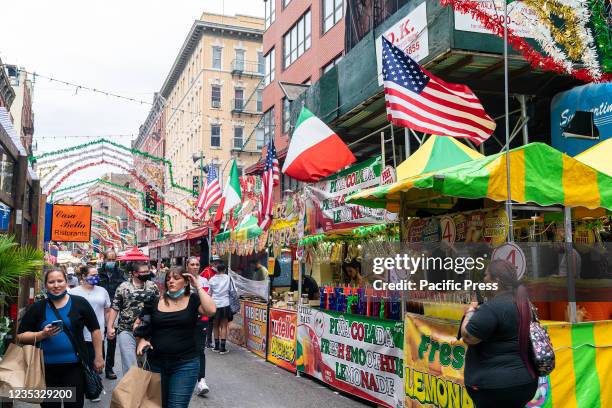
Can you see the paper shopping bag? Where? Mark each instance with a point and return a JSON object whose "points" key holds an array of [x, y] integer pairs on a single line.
{"points": [[137, 388], [22, 367]]}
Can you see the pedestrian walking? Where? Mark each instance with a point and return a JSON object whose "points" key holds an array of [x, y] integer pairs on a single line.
{"points": [[128, 303], [498, 370], [193, 268], [99, 300], [172, 346], [220, 292], [40, 324], [111, 276], [208, 273], [73, 281]]}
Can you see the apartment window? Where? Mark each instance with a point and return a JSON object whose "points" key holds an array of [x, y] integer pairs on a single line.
{"points": [[332, 64], [261, 63], [216, 57], [286, 3], [268, 125], [215, 96], [259, 99], [259, 137], [270, 67], [215, 136], [297, 40], [332, 13], [270, 6], [286, 115], [238, 98], [238, 137], [239, 62]]}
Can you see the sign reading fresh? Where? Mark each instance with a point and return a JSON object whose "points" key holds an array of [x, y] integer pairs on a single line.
{"points": [[355, 354]]}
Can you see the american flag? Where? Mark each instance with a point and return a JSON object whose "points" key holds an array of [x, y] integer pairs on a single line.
{"points": [[418, 100], [211, 192], [270, 178]]}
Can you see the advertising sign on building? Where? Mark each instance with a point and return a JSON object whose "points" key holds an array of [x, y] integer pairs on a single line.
{"points": [[71, 223], [521, 18], [409, 35], [283, 330], [358, 355], [255, 326], [326, 207]]}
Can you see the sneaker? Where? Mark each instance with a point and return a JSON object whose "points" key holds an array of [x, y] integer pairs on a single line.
{"points": [[202, 388], [111, 375], [223, 351], [96, 399], [216, 349]]}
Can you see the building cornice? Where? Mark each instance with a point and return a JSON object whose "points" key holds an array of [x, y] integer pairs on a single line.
{"points": [[191, 42]]}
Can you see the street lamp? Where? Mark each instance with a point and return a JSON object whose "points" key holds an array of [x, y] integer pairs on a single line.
{"points": [[195, 157]]}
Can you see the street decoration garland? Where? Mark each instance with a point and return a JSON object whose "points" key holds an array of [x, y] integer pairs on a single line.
{"points": [[144, 155], [603, 34], [581, 45]]}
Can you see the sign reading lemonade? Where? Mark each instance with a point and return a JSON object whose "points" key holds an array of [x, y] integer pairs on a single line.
{"points": [[358, 355]]}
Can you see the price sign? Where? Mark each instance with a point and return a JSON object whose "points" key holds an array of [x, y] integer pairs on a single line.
{"points": [[449, 232], [512, 253]]}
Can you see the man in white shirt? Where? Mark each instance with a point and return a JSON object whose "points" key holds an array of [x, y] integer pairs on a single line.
{"points": [[100, 302]]}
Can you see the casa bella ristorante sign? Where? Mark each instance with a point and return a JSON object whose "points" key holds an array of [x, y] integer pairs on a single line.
{"points": [[71, 223]]}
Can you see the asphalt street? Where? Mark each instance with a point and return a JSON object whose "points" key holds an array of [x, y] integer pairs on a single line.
{"points": [[240, 379]]}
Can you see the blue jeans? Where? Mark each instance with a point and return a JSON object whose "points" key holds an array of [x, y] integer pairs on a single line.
{"points": [[178, 378]]}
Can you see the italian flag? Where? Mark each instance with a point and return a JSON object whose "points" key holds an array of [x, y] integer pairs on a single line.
{"points": [[231, 194], [315, 150]]}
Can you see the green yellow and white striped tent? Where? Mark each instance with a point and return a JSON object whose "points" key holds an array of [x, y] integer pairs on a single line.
{"points": [[540, 174], [583, 370], [247, 229], [599, 157], [438, 152]]}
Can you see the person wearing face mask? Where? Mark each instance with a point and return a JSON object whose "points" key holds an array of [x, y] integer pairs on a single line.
{"points": [[110, 279], [128, 303], [41, 325], [73, 281], [100, 302], [173, 348]]}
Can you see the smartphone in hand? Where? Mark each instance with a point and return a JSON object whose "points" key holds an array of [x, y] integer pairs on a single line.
{"points": [[58, 324], [479, 297]]}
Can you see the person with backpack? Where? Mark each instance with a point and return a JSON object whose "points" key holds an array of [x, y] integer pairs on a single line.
{"points": [[499, 371]]}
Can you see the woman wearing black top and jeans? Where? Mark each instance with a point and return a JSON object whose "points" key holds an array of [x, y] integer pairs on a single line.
{"points": [[498, 370], [62, 366], [173, 350]]}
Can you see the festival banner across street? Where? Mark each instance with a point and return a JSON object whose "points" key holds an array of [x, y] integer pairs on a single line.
{"points": [[358, 355], [255, 325], [325, 200], [283, 329]]}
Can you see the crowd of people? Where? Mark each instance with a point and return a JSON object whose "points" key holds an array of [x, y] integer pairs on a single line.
{"points": [[169, 323]]}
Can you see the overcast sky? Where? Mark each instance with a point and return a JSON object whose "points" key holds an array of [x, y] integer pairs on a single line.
{"points": [[121, 46]]}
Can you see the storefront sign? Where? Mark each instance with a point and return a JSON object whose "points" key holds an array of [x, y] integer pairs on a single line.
{"points": [[514, 254], [326, 206], [283, 329], [71, 223], [255, 326], [409, 35], [521, 18], [447, 227], [496, 227], [434, 364], [358, 355]]}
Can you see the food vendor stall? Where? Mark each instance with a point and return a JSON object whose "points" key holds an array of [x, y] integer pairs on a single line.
{"points": [[543, 180]]}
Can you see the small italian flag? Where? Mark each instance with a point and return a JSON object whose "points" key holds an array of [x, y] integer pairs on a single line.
{"points": [[231, 192], [315, 150]]}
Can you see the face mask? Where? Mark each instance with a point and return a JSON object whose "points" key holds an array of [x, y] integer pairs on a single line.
{"points": [[56, 297], [109, 266], [92, 280], [143, 278], [175, 295]]}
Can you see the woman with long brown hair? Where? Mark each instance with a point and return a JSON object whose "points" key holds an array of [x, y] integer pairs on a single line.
{"points": [[173, 350], [498, 369]]}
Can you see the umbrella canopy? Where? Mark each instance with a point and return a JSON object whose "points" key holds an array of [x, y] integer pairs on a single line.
{"points": [[598, 157], [438, 152], [539, 174], [133, 254]]}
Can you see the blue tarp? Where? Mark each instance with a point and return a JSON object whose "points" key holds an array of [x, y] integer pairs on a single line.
{"points": [[596, 98]]}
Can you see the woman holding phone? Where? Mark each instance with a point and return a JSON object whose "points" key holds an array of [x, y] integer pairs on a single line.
{"points": [[40, 325], [171, 344]]}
